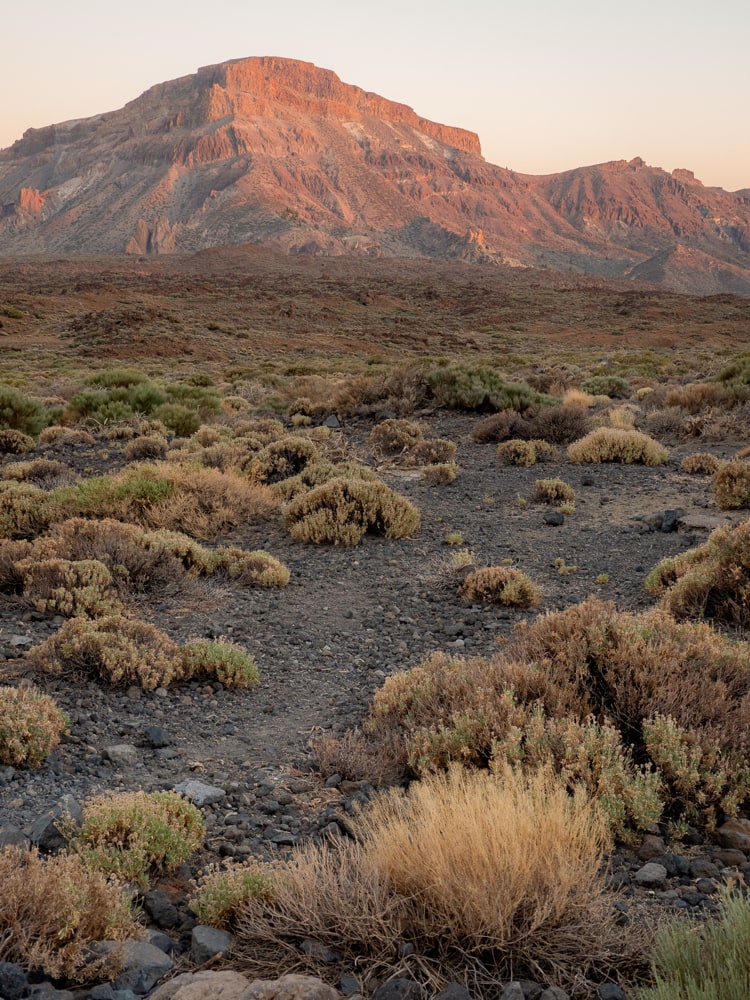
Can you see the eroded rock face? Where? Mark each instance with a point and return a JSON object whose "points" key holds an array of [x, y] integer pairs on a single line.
{"points": [[282, 153]]}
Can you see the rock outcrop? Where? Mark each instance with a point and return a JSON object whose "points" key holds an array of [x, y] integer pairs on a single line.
{"points": [[281, 153]]}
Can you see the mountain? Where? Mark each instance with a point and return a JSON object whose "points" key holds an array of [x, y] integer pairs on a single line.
{"points": [[281, 153]]}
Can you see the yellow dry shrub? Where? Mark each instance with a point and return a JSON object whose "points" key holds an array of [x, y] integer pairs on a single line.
{"points": [[612, 444], [282, 459], [700, 463], [31, 725], [487, 878], [252, 569], [341, 511], [24, 510], [731, 485], [53, 908], [554, 491], [395, 435], [577, 397], [69, 587], [440, 474], [500, 585], [319, 472]]}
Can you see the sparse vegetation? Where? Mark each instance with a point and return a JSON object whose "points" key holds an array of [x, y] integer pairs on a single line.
{"points": [[554, 491], [731, 485], [500, 585], [612, 444], [31, 725]]}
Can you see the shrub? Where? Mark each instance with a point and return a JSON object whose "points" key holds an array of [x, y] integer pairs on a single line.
{"points": [[612, 444], [606, 385], [481, 876], [433, 451], [53, 908], [133, 834], [393, 436], [21, 413], [178, 418], [500, 585], [464, 388], [15, 442], [560, 424], [731, 485], [222, 893], [252, 569], [31, 725], [65, 436], [706, 961], [737, 372], [282, 459], [501, 426], [116, 378], [554, 491], [319, 472], [141, 448], [42, 472], [64, 587], [24, 510], [711, 581], [700, 463], [517, 452], [341, 511], [113, 649], [440, 475], [222, 660]]}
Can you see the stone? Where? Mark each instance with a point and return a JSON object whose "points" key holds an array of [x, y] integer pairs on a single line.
{"points": [[398, 989], [199, 794], [611, 991], [316, 949], [350, 986], [554, 518], [651, 876], [13, 981], [554, 993], [731, 857], [513, 991], [670, 520], [46, 991], [332, 421], [122, 755], [453, 991], [290, 987], [224, 985], [143, 965], [12, 836], [703, 868], [157, 737], [735, 833], [651, 847], [45, 831], [208, 942], [160, 908]]}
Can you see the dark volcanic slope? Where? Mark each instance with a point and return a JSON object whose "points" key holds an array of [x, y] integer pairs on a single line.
{"points": [[279, 152]]}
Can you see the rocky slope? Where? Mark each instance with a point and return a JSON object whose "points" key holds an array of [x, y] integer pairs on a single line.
{"points": [[279, 152]]}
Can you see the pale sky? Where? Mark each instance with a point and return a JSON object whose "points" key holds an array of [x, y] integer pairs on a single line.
{"points": [[549, 85]]}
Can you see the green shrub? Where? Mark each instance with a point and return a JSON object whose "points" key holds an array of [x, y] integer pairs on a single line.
{"points": [[702, 961], [221, 894], [178, 418], [613, 444], [133, 834], [116, 378], [21, 413], [341, 511], [607, 385], [500, 585], [464, 388], [31, 725], [731, 485], [737, 372], [221, 660], [252, 569]]}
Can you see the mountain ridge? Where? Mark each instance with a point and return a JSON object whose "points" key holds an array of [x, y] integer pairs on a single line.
{"points": [[282, 153]]}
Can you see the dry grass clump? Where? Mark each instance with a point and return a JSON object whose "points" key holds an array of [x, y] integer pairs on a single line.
{"points": [[622, 416], [25, 510], [15, 442], [577, 397], [711, 581], [485, 877], [731, 485], [31, 725], [440, 474], [700, 463], [222, 892], [393, 436], [433, 451], [53, 908], [147, 447], [554, 491], [43, 472], [612, 444], [500, 585], [341, 511], [132, 835], [56, 434]]}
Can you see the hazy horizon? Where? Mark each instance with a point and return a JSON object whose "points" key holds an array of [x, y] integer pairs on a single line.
{"points": [[547, 89]]}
